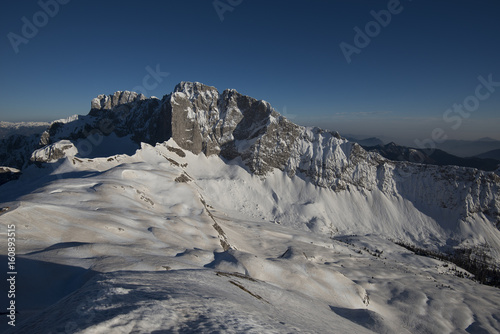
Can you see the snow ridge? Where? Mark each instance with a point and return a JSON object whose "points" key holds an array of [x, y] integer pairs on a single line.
{"points": [[234, 126]]}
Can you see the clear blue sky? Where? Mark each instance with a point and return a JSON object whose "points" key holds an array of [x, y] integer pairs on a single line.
{"points": [[286, 52]]}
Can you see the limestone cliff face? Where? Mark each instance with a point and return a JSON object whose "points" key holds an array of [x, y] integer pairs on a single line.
{"points": [[232, 125], [108, 102]]}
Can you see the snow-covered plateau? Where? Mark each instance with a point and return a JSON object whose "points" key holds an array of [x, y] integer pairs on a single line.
{"points": [[211, 213]]}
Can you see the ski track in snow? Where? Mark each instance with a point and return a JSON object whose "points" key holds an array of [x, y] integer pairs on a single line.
{"points": [[119, 246]]}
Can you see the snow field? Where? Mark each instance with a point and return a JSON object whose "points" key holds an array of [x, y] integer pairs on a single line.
{"points": [[121, 246]]}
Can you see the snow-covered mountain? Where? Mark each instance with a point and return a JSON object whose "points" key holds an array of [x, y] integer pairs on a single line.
{"points": [[212, 205], [435, 205]]}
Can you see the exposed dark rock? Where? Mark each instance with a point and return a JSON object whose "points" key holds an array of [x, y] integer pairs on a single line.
{"points": [[232, 125], [8, 174]]}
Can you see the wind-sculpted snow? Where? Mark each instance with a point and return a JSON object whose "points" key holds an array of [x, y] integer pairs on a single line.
{"points": [[119, 244], [462, 203], [211, 212], [233, 125]]}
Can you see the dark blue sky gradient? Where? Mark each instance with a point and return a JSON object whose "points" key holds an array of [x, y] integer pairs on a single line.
{"points": [[285, 52]]}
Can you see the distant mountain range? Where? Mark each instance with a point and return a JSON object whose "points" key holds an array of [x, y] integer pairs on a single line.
{"points": [[495, 154], [437, 157], [22, 128], [372, 141], [484, 160], [469, 148]]}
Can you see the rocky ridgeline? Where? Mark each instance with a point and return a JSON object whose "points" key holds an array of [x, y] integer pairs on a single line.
{"points": [[232, 125]]}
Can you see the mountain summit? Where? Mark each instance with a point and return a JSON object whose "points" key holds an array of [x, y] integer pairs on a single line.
{"points": [[194, 211], [447, 200]]}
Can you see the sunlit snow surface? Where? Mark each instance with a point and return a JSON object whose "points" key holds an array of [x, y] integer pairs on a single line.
{"points": [[117, 245]]}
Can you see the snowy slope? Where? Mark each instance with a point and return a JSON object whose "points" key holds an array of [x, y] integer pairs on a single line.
{"points": [[188, 213], [433, 206], [165, 240]]}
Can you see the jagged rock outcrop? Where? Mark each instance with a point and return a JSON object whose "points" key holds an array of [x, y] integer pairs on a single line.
{"points": [[8, 174], [232, 125], [108, 102], [54, 152]]}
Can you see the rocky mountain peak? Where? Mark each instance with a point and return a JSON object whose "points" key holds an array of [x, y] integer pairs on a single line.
{"points": [[193, 88], [108, 102], [234, 126]]}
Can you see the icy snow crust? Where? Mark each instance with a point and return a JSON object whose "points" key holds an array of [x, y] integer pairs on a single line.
{"points": [[166, 240]]}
